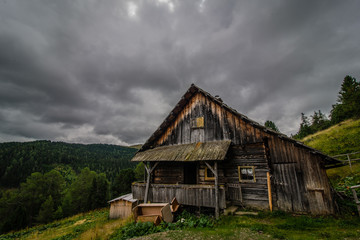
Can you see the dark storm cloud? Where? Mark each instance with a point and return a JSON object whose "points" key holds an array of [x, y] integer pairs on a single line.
{"points": [[110, 71]]}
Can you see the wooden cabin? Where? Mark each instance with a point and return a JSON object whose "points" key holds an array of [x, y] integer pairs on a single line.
{"points": [[207, 154], [122, 206]]}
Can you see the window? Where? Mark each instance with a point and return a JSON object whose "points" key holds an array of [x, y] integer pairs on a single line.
{"points": [[209, 175], [197, 122], [246, 173]]}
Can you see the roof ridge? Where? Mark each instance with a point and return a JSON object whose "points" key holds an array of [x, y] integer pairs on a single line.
{"points": [[194, 89]]}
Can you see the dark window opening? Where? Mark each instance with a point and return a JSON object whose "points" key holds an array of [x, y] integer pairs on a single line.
{"points": [[190, 170], [209, 175]]}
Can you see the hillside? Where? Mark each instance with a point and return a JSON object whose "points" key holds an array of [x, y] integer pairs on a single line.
{"points": [[19, 160], [339, 139]]}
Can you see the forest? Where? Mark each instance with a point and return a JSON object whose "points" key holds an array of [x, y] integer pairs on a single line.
{"points": [[42, 181], [19, 160]]}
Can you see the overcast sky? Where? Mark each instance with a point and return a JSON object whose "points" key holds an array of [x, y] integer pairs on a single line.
{"points": [[94, 71]]}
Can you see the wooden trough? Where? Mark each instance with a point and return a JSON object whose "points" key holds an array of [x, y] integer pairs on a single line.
{"points": [[155, 212]]}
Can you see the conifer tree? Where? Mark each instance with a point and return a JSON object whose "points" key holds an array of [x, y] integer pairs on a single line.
{"points": [[271, 125], [348, 102], [46, 212]]}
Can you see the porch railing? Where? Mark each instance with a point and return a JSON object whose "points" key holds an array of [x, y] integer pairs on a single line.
{"points": [[186, 194]]}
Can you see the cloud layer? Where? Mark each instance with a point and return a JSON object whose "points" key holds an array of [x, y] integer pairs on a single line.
{"points": [[110, 71]]}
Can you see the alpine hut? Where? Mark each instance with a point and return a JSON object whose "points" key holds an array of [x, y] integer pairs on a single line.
{"points": [[207, 154]]}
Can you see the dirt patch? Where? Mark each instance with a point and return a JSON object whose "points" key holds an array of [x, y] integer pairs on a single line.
{"points": [[80, 222]]}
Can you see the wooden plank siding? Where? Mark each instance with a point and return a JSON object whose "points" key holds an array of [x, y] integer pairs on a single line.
{"points": [[253, 194], [194, 195], [298, 179]]}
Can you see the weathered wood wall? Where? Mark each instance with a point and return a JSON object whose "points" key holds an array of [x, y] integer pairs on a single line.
{"points": [[120, 209], [193, 195], [299, 180], [252, 194], [169, 172]]}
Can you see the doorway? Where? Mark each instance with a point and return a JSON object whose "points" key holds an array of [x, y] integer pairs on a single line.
{"points": [[190, 173]]}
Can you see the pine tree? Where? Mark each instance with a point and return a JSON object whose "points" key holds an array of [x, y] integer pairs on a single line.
{"points": [[46, 212], [139, 171], [305, 127], [122, 183], [348, 102], [271, 125]]}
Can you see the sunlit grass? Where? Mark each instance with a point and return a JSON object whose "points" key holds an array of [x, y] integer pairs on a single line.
{"points": [[339, 139]]}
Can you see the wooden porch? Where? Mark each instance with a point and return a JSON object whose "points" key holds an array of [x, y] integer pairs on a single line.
{"points": [[186, 194]]}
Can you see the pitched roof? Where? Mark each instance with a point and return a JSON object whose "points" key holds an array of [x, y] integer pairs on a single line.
{"points": [[127, 197], [201, 151], [195, 89]]}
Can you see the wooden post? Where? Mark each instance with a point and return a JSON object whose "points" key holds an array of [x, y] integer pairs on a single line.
{"points": [[216, 191], [348, 157], [149, 171], [355, 197], [269, 190], [147, 183], [215, 172]]}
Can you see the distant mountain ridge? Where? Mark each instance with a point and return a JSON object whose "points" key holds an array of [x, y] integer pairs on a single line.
{"points": [[19, 160]]}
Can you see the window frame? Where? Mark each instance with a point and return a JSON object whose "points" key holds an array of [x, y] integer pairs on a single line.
{"points": [[197, 122], [247, 180], [207, 178]]}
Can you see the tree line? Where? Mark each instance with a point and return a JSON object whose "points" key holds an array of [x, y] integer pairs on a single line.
{"points": [[19, 160]]}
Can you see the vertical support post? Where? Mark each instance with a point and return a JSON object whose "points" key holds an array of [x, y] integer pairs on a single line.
{"points": [[216, 191], [269, 190], [147, 182], [144, 172], [149, 171], [348, 157]]}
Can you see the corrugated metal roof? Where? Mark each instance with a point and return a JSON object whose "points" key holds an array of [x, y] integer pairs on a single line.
{"points": [[127, 197], [201, 151]]}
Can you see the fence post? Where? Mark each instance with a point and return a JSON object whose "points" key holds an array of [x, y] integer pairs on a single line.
{"points": [[348, 157]]}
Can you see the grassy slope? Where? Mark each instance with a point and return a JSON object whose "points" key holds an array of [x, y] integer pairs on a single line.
{"points": [[91, 225], [95, 225], [339, 139]]}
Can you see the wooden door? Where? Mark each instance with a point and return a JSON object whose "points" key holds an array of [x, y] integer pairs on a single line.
{"points": [[286, 188]]}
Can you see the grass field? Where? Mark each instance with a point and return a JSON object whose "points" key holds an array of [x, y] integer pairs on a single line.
{"points": [[277, 225], [91, 225]]}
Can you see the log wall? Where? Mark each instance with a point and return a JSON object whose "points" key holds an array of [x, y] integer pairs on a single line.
{"points": [[247, 193]]}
